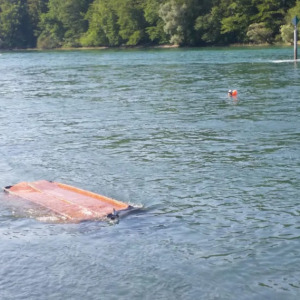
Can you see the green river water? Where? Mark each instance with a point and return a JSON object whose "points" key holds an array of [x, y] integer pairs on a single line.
{"points": [[217, 178]]}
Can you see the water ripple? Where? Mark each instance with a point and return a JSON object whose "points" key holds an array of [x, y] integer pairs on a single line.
{"points": [[217, 177]]}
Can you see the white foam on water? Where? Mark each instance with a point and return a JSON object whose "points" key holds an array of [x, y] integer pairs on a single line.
{"points": [[135, 205], [284, 61]]}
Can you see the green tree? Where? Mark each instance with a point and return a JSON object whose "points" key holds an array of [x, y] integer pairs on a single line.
{"points": [[287, 30], [155, 24], [174, 15], [57, 23], [271, 13], [131, 21], [115, 22], [52, 30], [35, 8], [287, 33], [239, 15], [14, 25], [258, 33], [208, 25], [103, 29], [63, 23], [292, 12]]}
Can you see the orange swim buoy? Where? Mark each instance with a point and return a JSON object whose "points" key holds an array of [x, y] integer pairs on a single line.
{"points": [[232, 93]]}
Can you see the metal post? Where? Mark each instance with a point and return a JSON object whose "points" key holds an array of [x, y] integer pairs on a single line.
{"points": [[295, 43], [295, 21]]}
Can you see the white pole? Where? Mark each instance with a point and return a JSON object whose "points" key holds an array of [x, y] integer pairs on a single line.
{"points": [[295, 42]]}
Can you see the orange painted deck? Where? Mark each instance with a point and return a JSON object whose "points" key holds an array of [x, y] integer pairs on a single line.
{"points": [[72, 203]]}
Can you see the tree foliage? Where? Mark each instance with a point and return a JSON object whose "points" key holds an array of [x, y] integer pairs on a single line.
{"points": [[259, 33], [103, 27], [63, 23], [14, 23], [76, 23], [287, 33]]}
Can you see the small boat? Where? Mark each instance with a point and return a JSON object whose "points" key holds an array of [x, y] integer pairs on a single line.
{"points": [[70, 203]]}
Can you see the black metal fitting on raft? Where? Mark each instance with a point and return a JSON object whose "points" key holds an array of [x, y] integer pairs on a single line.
{"points": [[7, 188], [114, 215]]}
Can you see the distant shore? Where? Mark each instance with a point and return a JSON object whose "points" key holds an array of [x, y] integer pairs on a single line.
{"points": [[95, 48], [165, 46]]}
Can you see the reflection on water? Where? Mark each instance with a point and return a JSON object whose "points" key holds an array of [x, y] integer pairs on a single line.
{"points": [[217, 176]]}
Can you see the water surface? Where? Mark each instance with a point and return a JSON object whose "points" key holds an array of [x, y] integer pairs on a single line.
{"points": [[218, 177]]}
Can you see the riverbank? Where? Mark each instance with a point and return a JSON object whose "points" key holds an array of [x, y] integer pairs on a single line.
{"points": [[95, 48], [165, 46]]}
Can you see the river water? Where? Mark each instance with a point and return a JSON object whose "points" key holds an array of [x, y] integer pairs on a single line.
{"points": [[217, 178]]}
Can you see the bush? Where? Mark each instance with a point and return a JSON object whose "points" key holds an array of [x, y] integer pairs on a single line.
{"points": [[47, 42], [287, 33], [258, 33]]}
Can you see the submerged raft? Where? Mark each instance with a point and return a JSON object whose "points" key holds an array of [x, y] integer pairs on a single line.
{"points": [[71, 203]]}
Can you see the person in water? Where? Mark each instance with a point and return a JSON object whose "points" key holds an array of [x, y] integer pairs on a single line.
{"points": [[232, 93]]}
